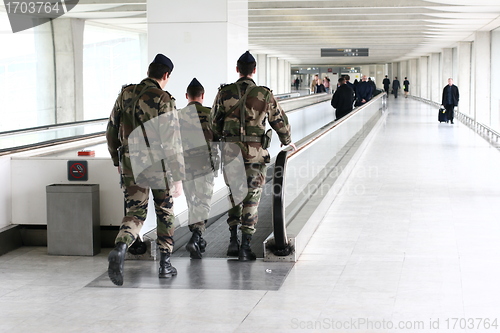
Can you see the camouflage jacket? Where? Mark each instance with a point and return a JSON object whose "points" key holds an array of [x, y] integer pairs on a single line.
{"points": [[260, 105], [146, 135], [199, 144]]}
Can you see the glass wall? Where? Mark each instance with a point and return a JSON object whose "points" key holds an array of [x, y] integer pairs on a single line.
{"points": [[111, 58], [26, 76]]}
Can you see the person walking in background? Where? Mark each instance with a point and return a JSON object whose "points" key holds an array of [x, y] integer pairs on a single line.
{"points": [[314, 84], [326, 83], [320, 88], [364, 91], [450, 99], [372, 84], [386, 82], [406, 86], [350, 84], [395, 87], [342, 99]]}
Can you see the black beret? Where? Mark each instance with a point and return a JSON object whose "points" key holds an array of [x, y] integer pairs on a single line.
{"points": [[195, 83], [161, 59], [246, 58]]}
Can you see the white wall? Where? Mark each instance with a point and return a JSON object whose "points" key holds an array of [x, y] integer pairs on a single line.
{"points": [[5, 194], [204, 42]]}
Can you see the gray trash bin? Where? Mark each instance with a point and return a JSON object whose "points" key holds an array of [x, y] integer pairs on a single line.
{"points": [[73, 220]]}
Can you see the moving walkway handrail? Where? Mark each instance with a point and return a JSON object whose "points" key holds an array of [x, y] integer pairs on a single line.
{"points": [[49, 141], [281, 245], [52, 126]]}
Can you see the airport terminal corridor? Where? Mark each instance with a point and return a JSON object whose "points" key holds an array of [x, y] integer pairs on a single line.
{"points": [[410, 241]]}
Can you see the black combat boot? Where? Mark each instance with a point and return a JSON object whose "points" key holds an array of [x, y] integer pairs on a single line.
{"points": [[234, 244], [245, 253], [203, 244], [116, 260], [166, 268], [194, 245]]}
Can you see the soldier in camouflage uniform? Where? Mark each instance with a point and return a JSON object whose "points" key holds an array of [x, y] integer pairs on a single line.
{"points": [[137, 107], [201, 161], [248, 137]]}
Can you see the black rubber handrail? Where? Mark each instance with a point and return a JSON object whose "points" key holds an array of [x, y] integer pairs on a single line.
{"points": [[281, 246]]}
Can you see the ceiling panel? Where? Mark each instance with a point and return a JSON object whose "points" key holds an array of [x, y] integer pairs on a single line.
{"points": [[296, 30]]}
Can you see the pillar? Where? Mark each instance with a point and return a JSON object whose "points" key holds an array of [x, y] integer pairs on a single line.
{"points": [[288, 76], [380, 72], [446, 66], [143, 42], [413, 77], [390, 73], [495, 72], [403, 71], [482, 58], [68, 59], [260, 76], [45, 93], [204, 39], [463, 78], [272, 74], [435, 73], [423, 77], [281, 87]]}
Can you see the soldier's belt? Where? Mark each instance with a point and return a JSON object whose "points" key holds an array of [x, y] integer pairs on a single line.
{"points": [[246, 138]]}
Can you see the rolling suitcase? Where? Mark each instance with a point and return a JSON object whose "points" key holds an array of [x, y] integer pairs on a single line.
{"points": [[442, 115]]}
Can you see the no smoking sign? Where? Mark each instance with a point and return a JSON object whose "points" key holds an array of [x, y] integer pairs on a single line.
{"points": [[78, 170]]}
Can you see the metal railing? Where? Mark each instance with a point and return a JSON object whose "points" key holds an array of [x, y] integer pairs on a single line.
{"points": [[486, 132], [481, 129]]}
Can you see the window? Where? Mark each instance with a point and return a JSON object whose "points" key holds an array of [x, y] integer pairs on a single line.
{"points": [[111, 58], [26, 76]]}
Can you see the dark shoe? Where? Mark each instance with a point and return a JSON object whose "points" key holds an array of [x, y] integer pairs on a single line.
{"points": [[452, 121], [246, 253], [233, 249], [116, 260], [138, 247], [203, 244], [193, 246], [166, 268]]}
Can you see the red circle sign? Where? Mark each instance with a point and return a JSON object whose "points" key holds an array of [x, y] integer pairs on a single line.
{"points": [[77, 170]]}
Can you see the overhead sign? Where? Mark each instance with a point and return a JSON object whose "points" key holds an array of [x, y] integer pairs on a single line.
{"points": [[352, 52], [78, 170]]}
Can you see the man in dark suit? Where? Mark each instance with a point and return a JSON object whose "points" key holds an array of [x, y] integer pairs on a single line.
{"points": [[342, 99], [364, 91], [450, 99], [386, 82]]}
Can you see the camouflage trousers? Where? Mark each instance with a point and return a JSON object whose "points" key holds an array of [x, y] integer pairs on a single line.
{"points": [[136, 207], [246, 213], [198, 192]]}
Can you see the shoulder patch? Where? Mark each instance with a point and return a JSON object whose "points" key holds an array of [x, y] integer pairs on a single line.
{"points": [[223, 85], [170, 96], [125, 86]]}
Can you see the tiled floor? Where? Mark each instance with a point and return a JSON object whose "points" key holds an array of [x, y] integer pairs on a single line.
{"points": [[413, 240]]}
